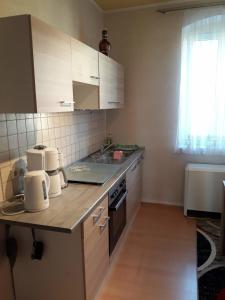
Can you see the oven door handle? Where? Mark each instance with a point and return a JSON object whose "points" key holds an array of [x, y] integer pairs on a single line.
{"points": [[115, 208]]}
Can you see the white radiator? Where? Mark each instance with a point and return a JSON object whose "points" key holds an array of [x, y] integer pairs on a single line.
{"points": [[203, 188]]}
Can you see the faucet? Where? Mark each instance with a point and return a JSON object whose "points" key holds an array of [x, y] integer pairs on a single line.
{"points": [[104, 148]]}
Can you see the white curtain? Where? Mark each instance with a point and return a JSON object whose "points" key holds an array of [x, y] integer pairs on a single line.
{"points": [[201, 124]]}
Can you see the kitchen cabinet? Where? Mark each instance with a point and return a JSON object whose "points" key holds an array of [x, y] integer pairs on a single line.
{"points": [[96, 248], [109, 94], [111, 91], [134, 188], [84, 63], [35, 73], [58, 275]]}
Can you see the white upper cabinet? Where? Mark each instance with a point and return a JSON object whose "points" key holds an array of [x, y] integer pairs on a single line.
{"points": [[84, 63], [44, 70], [35, 73], [111, 92], [52, 68]]}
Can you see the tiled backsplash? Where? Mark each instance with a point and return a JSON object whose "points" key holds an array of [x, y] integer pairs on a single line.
{"points": [[76, 134]]}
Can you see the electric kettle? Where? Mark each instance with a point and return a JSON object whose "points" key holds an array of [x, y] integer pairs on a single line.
{"points": [[36, 189]]}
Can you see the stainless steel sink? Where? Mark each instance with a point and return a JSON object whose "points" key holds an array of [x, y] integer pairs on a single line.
{"points": [[107, 157]]}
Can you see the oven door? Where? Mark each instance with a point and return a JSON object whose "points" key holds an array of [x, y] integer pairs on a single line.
{"points": [[117, 221]]}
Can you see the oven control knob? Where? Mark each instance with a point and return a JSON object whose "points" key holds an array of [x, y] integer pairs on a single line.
{"points": [[116, 193]]}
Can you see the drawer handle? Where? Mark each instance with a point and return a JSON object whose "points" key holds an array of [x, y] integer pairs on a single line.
{"points": [[94, 77], [114, 102], [67, 103], [96, 217], [103, 226]]}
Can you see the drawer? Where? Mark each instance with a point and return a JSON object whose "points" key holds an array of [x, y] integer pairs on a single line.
{"points": [[96, 264], [101, 228], [94, 218], [96, 248]]}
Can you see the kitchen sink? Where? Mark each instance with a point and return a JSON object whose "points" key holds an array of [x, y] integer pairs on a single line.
{"points": [[107, 156]]}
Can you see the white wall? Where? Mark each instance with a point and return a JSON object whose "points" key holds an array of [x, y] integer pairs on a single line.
{"points": [[81, 19], [148, 44], [78, 18]]}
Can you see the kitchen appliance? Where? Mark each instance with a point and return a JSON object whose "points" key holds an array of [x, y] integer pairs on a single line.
{"points": [[52, 168], [62, 173], [46, 158], [36, 189], [117, 212]]}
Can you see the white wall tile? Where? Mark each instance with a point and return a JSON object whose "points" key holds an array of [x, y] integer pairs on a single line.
{"points": [[2, 117], [10, 117], [44, 123], [4, 144], [22, 151], [38, 136], [45, 135], [29, 116], [13, 142], [31, 138], [3, 128], [21, 126], [11, 127], [30, 124], [37, 124], [22, 139], [13, 154], [20, 116]]}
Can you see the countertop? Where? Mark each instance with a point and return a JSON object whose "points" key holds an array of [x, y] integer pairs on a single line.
{"points": [[72, 207]]}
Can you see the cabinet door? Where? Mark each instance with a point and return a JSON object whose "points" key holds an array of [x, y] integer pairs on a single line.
{"points": [[84, 63], [134, 182], [52, 68], [96, 249], [17, 89], [111, 83]]}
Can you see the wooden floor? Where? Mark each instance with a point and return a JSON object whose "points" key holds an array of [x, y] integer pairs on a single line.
{"points": [[158, 259]]}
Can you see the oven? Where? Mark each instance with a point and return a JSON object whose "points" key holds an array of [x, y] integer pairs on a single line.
{"points": [[117, 212]]}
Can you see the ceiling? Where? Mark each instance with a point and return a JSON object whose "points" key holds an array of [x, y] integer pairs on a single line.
{"points": [[121, 4]]}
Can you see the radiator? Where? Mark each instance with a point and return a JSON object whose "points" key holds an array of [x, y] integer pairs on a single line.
{"points": [[203, 190]]}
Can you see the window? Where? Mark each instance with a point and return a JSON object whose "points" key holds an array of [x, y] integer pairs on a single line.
{"points": [[201, 125]]}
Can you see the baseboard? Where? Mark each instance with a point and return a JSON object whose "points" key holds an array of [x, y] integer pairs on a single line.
{"points": [[162, 202]]}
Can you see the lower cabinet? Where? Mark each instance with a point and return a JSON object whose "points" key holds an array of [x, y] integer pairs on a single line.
{"points": [[96, 248], [134, 188], [73, 265], [58, 275]]}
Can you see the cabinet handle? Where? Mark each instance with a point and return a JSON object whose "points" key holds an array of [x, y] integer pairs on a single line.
{"points": [[103, 226], [67, 103], [96, 217], [94, 77], [113, 102]]}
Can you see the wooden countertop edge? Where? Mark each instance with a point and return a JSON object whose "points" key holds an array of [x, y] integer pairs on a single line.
{"points": [[105, 189]]}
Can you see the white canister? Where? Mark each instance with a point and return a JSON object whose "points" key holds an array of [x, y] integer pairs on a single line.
{"points": [[36, 189]]}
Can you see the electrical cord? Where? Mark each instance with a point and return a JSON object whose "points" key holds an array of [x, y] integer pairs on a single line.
{"points": [[15, 207]]}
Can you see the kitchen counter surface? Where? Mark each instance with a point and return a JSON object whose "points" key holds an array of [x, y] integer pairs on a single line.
{"points": [[72, 207]]}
